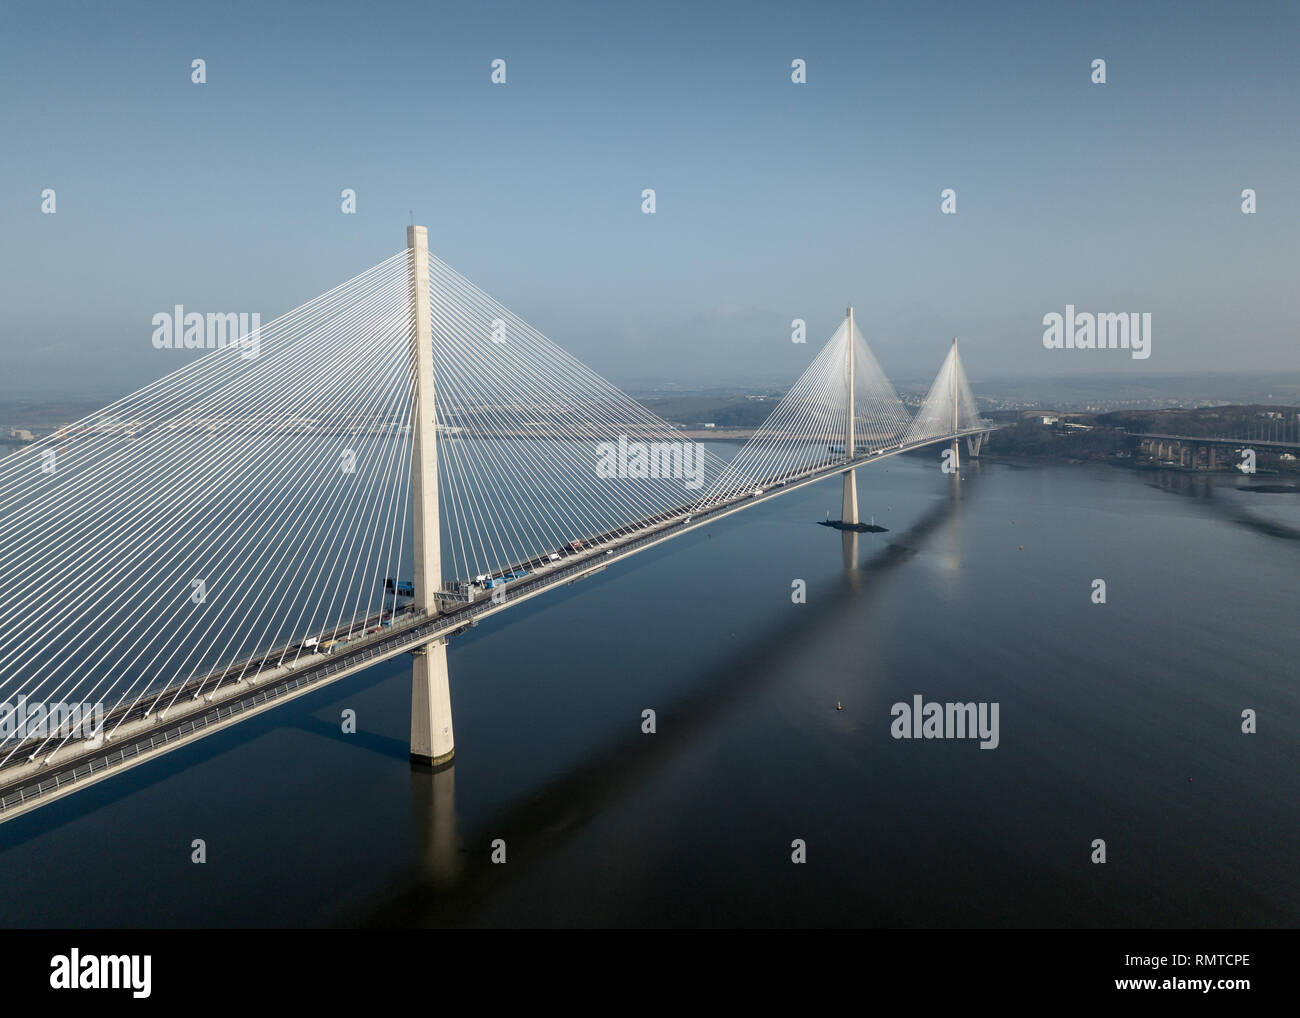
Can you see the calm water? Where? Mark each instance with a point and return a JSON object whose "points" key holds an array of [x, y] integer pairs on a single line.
{"points": [[1118, 721]]}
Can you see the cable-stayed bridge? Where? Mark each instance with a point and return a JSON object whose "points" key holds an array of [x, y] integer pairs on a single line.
{"points": [[363, 477]]}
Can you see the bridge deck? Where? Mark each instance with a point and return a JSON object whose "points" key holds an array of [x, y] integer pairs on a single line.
{"points": [[138, 736], [1240, 443]]}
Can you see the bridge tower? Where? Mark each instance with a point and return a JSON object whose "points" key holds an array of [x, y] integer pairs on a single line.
{"points": [[432, 740], [849, 505], [952, 382]]}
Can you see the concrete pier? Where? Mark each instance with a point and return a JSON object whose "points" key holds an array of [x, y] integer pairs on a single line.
{"points": [[849, 503], [432, 739], [956, 442]]}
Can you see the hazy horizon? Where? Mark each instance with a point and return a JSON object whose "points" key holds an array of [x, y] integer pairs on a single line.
{"points": [[775, 200]]}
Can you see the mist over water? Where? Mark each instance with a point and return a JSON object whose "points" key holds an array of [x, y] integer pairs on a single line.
{"points": [[1119, 721]]}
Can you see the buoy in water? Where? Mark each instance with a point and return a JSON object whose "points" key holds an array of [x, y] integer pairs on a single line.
{"points": [[1022, 547], [840, 706]]}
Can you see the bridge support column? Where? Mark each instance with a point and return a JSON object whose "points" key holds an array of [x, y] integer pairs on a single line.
{"points": [[1209, 451], [849, 503], [956, 442], [431, 732], [432, 739], [849, 506]]}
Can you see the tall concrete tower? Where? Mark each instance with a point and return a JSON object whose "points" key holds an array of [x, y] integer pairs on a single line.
{"points": [[432, 740], [849, 506], [952, 383]]}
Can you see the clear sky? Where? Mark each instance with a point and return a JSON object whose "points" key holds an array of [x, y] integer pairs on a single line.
{"points": [[775, 201]]}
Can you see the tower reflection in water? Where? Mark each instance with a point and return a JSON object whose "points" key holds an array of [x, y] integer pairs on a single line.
{"points": [[433, 812]]}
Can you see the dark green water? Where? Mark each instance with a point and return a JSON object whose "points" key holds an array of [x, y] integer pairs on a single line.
{"points": [[1119, 721]]}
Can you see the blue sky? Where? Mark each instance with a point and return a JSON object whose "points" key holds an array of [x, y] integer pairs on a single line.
{"points": [[775, 200]]}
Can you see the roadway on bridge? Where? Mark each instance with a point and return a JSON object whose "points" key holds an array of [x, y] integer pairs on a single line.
{"points": [[140, 737], [1239, 443]]}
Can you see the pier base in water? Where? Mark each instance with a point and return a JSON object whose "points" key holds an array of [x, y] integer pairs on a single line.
{"points": [[432, 739]]}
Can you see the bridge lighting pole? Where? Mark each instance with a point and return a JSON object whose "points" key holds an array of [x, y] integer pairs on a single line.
{"points": [[432, 740], [849, 505], [952, 382]]}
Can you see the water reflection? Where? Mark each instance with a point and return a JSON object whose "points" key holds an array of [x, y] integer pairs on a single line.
{"points": [[1215, 493], [433, 812], [852, 573], [454, 876]]}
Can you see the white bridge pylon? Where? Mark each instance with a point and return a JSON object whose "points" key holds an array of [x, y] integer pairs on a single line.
{"points": [[809, 429], [396, 448], [949, 406]]}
